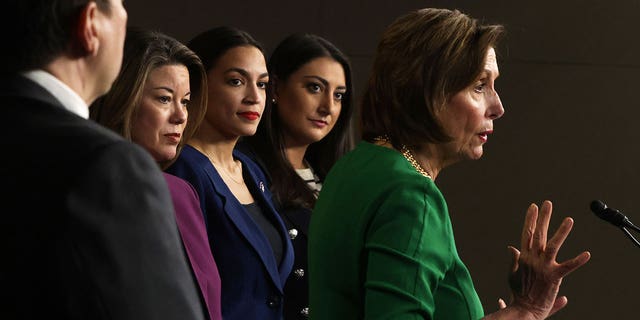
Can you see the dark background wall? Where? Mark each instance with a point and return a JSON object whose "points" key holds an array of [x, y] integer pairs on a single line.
{"points": [[569, 84]]}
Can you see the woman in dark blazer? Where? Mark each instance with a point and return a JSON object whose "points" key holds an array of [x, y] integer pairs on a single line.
{"points": [[249, 240], [158, 101], [306, 128]]}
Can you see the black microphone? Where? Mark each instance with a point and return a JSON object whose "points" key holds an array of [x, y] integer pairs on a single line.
{"points": [[614, 217]]}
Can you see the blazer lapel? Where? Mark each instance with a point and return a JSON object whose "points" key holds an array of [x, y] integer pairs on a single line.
{"points": [[250, 230], [264, 197]]}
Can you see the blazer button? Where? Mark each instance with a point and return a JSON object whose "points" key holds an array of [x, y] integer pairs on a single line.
{"points": [[273, 302], [305, 312], [299, 273], [293, 233]]}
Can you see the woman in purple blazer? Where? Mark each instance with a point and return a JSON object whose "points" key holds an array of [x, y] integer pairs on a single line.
{"points": [[157, 101]]}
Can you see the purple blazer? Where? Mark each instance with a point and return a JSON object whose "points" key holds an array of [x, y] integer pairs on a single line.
{"points": [[196, 243]]}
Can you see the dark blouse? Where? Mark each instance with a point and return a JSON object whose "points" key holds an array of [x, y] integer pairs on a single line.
{"points": [[267, 228]]}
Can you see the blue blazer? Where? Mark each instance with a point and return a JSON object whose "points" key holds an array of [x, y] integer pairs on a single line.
{"points": [[296, 220], [252, 280]]}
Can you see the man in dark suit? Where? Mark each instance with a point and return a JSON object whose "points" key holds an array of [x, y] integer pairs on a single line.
{"points": [[88, 229]]}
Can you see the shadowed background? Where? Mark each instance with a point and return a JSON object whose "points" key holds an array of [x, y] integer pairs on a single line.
{"points": [[569, 86]]}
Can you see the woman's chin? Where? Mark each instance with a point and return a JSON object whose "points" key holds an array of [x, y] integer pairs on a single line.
{"points": [[476, 154]]}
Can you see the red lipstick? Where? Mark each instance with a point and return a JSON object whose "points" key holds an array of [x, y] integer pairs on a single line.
{"points": [[249, 115]]}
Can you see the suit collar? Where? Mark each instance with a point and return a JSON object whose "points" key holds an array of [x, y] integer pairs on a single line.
{"points": [[21, 86], [69, 99]]}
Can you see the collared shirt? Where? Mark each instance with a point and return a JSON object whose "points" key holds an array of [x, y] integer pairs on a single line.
{"points": [[311, 178], [70, 99]]}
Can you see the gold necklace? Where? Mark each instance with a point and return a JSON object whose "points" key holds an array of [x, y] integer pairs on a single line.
{"points": [[409, 156], [406, 153], [228, 174], [223, 169]]}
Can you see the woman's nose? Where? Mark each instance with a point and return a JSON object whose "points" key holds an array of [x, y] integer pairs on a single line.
{"points": [[496, 110]]}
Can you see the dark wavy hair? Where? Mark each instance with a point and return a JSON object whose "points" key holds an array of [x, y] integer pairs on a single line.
{"points": [[288, 188]]}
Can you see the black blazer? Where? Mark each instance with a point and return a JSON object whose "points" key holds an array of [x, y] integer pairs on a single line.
{"points": [[296, 290], [88, 229]]}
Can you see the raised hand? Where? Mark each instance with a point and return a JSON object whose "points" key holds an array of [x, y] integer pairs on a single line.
{"points": [[535, 275]]}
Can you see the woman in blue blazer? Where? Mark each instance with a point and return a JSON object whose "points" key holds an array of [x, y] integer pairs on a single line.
{"points": [[248, 239]]}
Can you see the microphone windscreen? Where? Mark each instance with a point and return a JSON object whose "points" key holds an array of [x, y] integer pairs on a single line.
{"points": [[609, 214], [598, 207]]}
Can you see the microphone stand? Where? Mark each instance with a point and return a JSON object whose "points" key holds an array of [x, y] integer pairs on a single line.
{"points": [[633, 239], [624, 226]]}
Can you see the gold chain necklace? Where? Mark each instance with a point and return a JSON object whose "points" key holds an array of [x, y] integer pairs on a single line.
{"points": [[407, 154], [223, 169], [228, 174]]}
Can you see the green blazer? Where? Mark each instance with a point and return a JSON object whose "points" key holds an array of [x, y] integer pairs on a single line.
{"points": [[381, 244]]}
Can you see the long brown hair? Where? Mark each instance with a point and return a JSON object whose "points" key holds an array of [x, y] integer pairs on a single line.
{"points": [[287, 186]]}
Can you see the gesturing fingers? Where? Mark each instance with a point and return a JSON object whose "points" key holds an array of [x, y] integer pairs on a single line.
{"points": [[542, 225], [554, 244], [529, 228], [515, 258], [501, 304], [535, 246], [570, 265], [536, 277]]}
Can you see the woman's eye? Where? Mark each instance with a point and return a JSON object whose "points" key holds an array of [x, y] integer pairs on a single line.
{"points": [[339, 96], [235, 82], [314, 87], [479, 88], [185, 102], [262, 84], [164, 99]]}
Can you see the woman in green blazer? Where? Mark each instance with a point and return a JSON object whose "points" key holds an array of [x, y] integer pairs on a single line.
{"points": [[380, 218]]}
